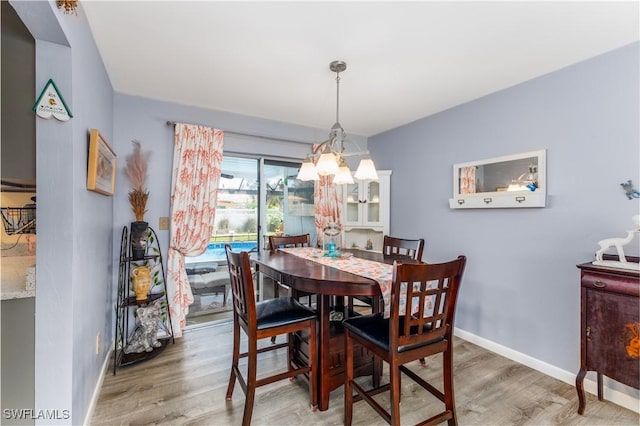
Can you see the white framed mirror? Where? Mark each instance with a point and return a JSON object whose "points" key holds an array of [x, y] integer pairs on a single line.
{"points": [[510, 181]]}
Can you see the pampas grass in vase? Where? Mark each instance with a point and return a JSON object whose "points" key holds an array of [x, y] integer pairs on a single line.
{"points": [[136, 171]]}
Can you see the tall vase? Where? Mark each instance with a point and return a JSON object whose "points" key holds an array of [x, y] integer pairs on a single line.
{"points": [[139, 237], [141, 282]]}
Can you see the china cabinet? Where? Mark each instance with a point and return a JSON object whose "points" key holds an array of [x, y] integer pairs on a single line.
{"points": [[366, 211], [502, 182], [128, 304], [610, 327]]}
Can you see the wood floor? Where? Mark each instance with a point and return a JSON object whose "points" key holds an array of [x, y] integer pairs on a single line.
{"points": [[186, 385]]}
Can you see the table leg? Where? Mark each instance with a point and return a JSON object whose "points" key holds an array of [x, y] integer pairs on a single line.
{"points": [[580, 389], [600, 393], [324, 309]]}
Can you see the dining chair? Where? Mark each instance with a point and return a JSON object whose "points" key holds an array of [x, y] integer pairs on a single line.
{"points": [[261, 320], [394, 247], [426, 329], [280, 241]]}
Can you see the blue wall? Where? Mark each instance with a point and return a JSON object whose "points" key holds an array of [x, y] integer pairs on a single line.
{"points": [[75, 226], [521, 286]]}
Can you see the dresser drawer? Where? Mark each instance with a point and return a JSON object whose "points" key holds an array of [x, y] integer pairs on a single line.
{"points": [[614, 284]]}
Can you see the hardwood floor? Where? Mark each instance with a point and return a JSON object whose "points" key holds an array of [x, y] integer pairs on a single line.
{"points": [[186, 385]]}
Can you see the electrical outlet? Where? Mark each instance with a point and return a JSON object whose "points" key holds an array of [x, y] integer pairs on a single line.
{"points": [[98, 343], [163, 223]]}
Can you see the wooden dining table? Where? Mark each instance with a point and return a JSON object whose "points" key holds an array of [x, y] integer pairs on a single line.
{"points": [[326, 282]]}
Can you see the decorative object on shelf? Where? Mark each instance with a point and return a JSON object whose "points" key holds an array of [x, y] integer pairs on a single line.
{"points": [[330, 153], [51, 104], [101, 168], [618, 244], [630, 191], [139, 239], [141, 282], [136, 171], [331, 240], [526, 181], [369, 245], [145, 338], [69, 6]]}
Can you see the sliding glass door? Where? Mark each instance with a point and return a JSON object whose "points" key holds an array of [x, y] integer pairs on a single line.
{"points": [[289, 201], [256, 198]]}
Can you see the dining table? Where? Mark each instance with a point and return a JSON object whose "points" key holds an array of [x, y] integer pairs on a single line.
{"points": [[307, 270]]}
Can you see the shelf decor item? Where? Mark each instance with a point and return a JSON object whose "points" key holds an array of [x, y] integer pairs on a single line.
{"points": [[618, 244], [136, 171], [141, 282]]}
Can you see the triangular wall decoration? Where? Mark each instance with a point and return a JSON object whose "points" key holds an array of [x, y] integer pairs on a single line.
{"points": [[51, 104]]}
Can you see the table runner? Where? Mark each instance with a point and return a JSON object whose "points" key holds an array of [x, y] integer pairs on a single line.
{"points": [[377, 271]]}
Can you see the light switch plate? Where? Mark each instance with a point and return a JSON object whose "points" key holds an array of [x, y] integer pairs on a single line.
{"points": [[163, 223]]}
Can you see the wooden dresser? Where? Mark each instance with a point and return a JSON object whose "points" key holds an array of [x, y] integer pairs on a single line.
{"points": [[610, 326]]}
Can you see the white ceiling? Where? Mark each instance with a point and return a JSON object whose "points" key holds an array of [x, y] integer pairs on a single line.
{"points": [[405, 60]]}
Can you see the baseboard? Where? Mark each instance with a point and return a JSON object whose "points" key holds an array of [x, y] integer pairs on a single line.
{"points": [[612, 395], [98, 388]]}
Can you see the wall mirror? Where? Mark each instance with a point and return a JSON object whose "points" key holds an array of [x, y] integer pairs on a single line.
{"points": [[511, 181]]}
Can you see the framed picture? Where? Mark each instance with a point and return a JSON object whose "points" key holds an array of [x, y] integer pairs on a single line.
{"points": [[101, 171]]}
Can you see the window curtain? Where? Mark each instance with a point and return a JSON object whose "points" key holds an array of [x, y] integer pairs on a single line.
{"points": [[197, 162], [327, 205], [468, 180]]}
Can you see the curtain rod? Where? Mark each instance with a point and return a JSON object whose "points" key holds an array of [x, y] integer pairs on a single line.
{"points": [[271, 138]]}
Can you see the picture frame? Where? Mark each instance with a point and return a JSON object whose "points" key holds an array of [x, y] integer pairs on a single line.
{"points": [[101, 168]]}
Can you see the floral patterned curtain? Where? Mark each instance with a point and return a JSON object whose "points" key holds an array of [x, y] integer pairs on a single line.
{"points": [[468, 180], [197, 162], [327, 204]]}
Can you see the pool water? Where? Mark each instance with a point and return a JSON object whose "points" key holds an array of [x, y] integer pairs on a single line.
{"points": [[215, 251]]}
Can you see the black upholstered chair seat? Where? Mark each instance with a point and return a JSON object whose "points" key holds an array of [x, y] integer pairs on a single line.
{"points": [[283, 310], [375, 328]]}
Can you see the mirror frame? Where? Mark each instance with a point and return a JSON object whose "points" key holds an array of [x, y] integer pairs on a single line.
{"points": [[513, 193]]}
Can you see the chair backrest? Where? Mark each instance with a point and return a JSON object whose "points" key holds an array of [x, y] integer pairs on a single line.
{"points": [[244, 302], [432, 291], [289, 241], [393, 246]]}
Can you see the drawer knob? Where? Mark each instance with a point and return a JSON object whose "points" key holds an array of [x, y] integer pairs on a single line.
{"points": [[599, 284]]}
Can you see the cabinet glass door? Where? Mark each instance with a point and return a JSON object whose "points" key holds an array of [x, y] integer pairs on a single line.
{"points": [[352, 198], [372, 190]]}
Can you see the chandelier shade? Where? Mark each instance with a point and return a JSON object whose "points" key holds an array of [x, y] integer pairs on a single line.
{"points": [[330, 153], [366, 170], [343, 175], [327, 164], [308, 171]]}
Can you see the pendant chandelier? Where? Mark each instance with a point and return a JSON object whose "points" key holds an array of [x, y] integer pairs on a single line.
{"points": [[330, 153]]}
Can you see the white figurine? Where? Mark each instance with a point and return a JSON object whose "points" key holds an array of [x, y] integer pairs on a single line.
{"points": [[618, 243]]}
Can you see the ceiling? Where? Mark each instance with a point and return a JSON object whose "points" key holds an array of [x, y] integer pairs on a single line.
{"points": [[405, 60]]}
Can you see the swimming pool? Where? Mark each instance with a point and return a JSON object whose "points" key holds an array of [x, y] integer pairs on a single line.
{"points": [[215, 251]]}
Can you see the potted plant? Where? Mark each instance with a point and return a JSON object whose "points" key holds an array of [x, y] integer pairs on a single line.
{"points": [[136, 171]]}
